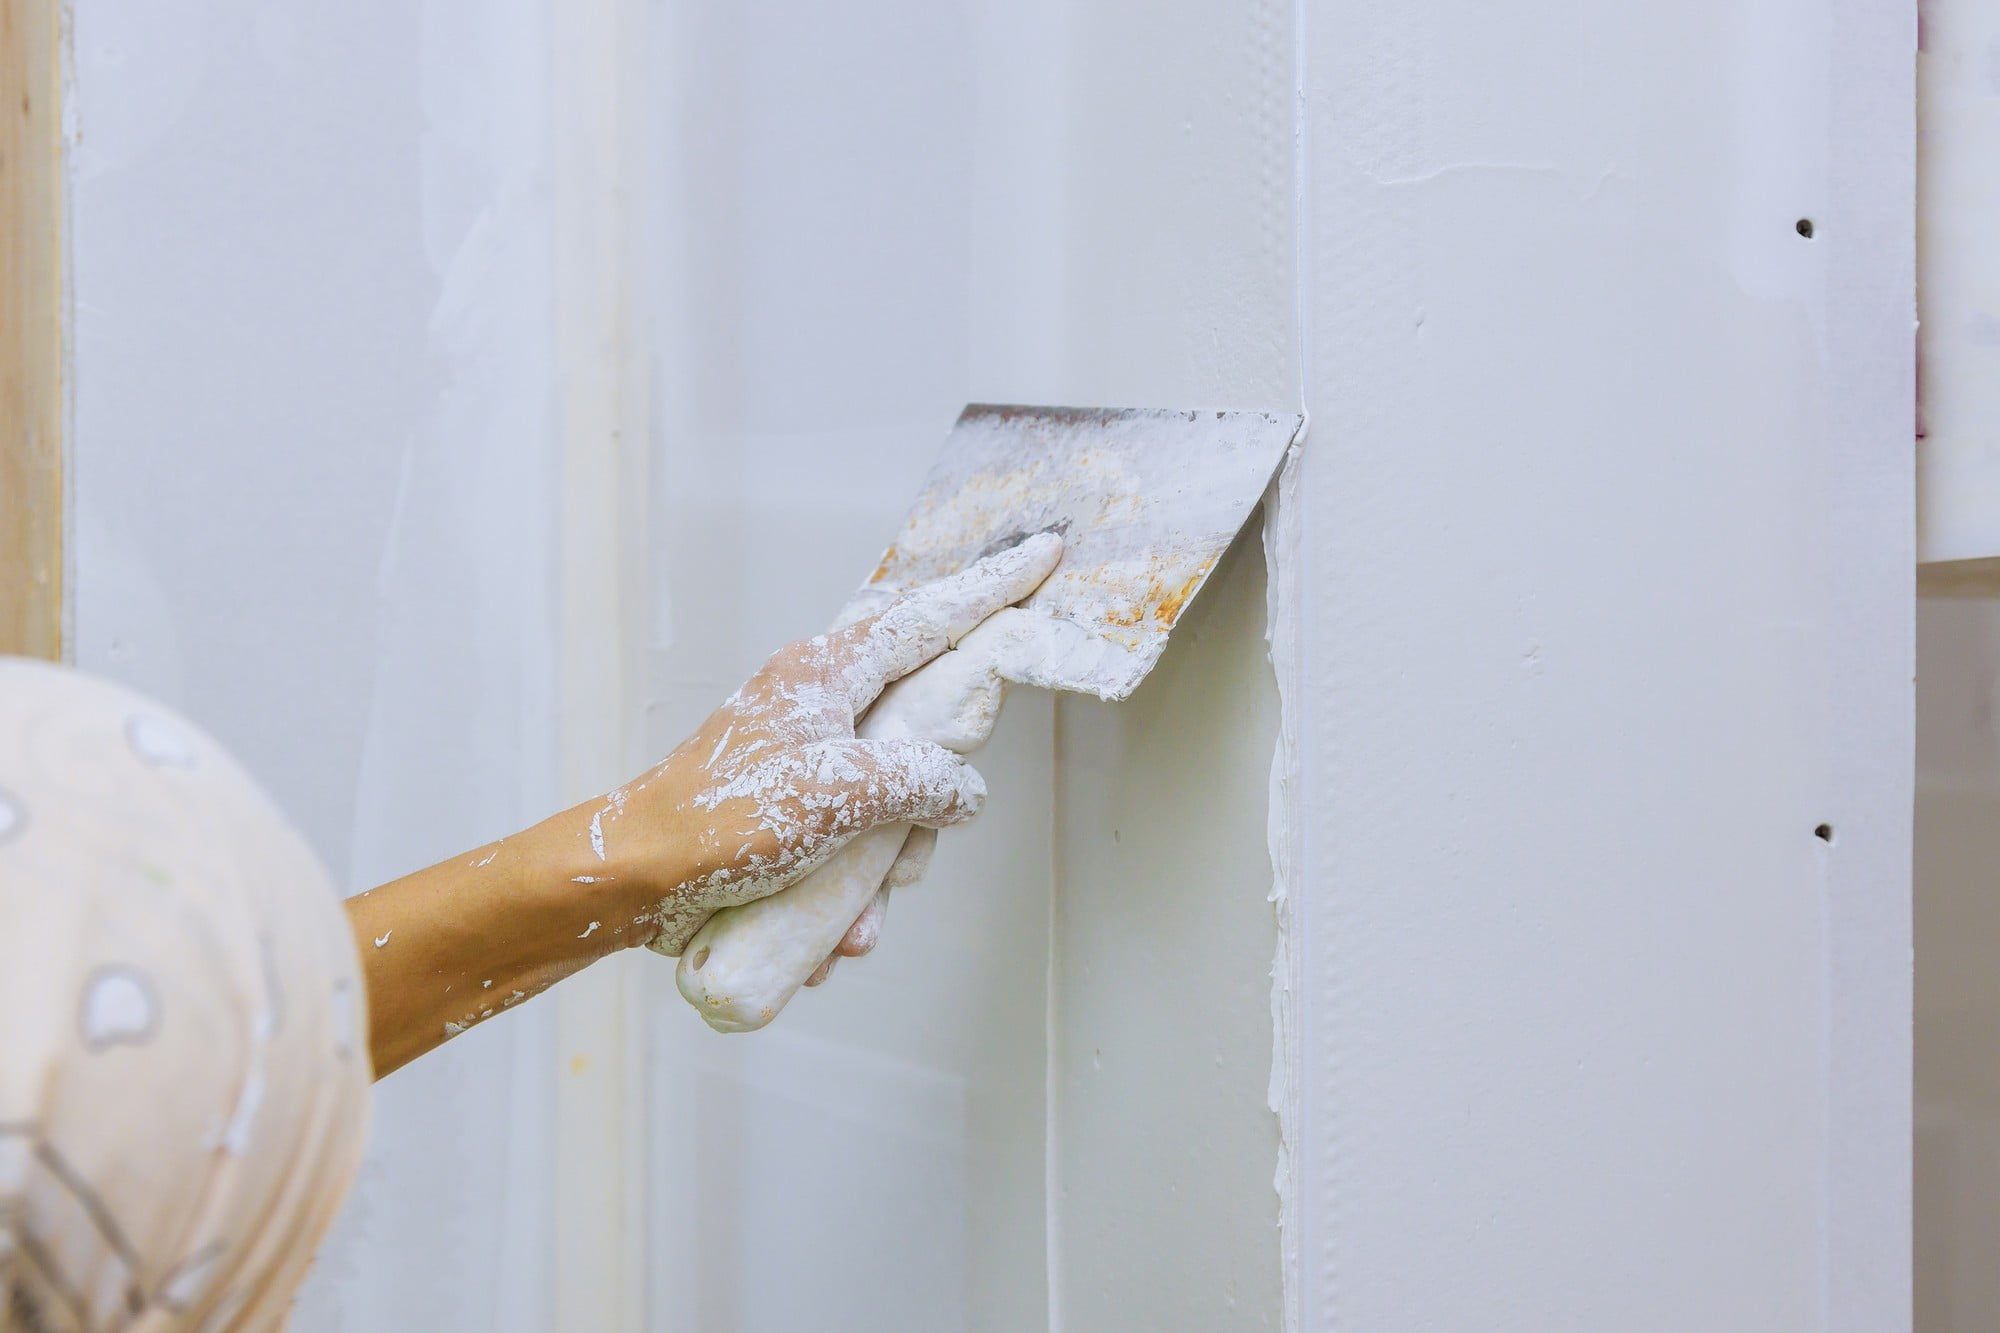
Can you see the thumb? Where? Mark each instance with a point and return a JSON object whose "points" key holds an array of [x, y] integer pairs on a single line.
{"points": [[915, 782]]}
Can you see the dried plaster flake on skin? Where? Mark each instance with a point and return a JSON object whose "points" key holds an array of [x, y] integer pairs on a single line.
{"points": [[474, 1017]]}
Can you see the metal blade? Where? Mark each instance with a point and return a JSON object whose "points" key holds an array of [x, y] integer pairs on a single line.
{"points": [[1147, 501]]}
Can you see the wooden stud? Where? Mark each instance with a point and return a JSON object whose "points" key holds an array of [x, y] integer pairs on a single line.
{"points": [[31, 330]]}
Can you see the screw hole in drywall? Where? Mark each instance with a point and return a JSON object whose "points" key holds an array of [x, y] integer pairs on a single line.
{"points": [[1804, 227], [1824, 833]]}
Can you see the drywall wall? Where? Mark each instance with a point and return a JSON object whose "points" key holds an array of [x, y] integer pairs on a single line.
{"points": [[1957, 937], [1164, 1149], [313, 410], [1176, 243], [874, 216], [1605, 606], [874, 1159]]}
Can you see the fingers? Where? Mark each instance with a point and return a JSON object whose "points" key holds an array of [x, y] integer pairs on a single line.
{"points": [[907, 869], [912, 861], [865, 783], [866, 932], [930, 619]]}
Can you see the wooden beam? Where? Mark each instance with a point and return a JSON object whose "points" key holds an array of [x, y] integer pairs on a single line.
{"points": [[31, 333]]}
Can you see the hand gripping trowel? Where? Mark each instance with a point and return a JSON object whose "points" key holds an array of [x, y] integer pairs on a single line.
{"points": [[1146, 502]]}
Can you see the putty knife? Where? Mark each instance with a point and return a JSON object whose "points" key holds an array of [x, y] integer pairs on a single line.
{"points": [[1146, 501]]}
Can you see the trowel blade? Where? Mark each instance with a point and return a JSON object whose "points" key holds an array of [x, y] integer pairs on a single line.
{"points": [[1147, 501]]}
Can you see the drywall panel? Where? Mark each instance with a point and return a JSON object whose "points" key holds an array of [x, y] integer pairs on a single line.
{"points": [[313, 408], [873, 217], [1958, 197], [1605, 606], [1164, 1149], [828, 285], [1178, 256]]}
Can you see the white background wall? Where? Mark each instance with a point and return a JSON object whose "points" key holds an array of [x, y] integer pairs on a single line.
{"points": [[312, 465]]}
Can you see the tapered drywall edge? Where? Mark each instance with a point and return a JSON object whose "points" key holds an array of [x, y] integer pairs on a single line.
{"points": [[1281, 557]]}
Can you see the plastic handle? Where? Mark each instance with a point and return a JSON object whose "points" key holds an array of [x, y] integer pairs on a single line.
{"points": [[746, 963]]}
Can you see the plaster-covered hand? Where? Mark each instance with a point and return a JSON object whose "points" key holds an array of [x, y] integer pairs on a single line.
{"points": [[957, 704], [776, 780]]}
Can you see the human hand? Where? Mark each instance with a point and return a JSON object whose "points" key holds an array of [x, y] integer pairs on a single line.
{"points": [[776, 781]]}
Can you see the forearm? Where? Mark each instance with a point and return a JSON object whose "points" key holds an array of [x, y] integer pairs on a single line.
{"points": [[473, 936]]}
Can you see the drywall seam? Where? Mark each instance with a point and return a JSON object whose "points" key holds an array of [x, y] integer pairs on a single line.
{"points": [[1281, 553]]}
